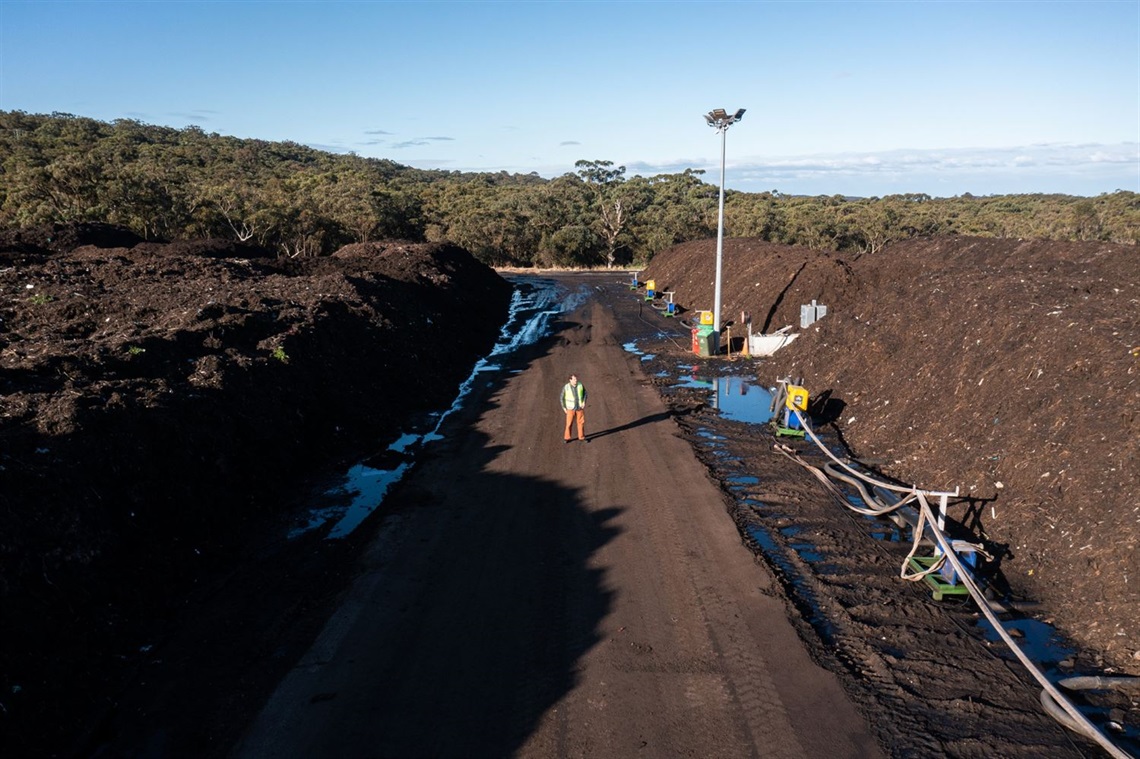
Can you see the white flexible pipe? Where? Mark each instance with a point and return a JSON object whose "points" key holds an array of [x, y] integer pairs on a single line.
{"points": [[1079, 722]]}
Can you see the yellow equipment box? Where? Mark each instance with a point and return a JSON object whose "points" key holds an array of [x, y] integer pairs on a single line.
{"points": [[706, 317], [797, 398], [651, 284]]}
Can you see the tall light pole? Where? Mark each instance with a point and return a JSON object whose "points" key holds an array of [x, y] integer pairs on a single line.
{"points": [[720, 120]]}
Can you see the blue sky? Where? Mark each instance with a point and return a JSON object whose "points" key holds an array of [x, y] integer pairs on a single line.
{"points": [[855, 98]]}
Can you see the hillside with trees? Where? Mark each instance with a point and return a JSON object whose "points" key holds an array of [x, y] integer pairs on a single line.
{"points": [[172, 184]]}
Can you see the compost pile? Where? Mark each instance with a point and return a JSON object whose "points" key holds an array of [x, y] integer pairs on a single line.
{"points": [[158, 402], [1008, 369]]}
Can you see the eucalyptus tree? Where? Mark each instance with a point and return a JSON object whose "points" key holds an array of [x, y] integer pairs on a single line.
{"points": [[612, 204], [875, 223], [399, 212], [1119, 214], [57, 177], [301, 225], [810, 222]]}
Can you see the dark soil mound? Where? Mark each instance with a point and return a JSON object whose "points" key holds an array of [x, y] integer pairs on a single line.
{"points": [[1008, 369], [159, 401], [207, 248], [64, 238]]}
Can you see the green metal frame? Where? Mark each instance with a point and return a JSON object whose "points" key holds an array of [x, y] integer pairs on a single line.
{"points": [[782, 431], [939, 587]]}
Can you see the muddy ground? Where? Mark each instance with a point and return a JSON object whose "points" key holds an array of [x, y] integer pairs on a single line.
{"points": [[161, 404]]}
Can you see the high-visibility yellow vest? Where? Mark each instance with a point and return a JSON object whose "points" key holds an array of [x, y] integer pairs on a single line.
{"points": [[572, 400]]}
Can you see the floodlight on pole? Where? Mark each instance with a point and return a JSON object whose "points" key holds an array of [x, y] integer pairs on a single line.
{"points": [[720, 120]]}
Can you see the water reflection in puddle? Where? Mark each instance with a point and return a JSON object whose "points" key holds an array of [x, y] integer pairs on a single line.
{"points": [[1057, 659], [370, 486], [694, 383], [886, 531], [1040, 641], [742, 399]]}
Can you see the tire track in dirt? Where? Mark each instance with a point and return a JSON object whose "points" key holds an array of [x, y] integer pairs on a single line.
{"points": [[877, 626], [723, 635]]}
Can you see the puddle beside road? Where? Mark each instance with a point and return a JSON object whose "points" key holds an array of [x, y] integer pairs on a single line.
{"points": [[1037, 639], [802, 597], [632, 348], [742, 400], [535, 305], [695, 383], [1057, 659]]}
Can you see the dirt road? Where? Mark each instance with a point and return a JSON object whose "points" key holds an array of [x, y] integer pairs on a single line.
{"points": [[531, 597]]}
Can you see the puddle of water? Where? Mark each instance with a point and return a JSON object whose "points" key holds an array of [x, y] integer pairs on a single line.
{"points": [[404, 442], [886, 531], [807, 552], [1040, 641], [801, 595], [1047, 649], [742, 399], [695, 383], [631, 347], [370, 487], [738, 398]]}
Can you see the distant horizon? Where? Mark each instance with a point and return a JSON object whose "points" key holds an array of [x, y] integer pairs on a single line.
{"points": [[709, 177], [857, 98]]}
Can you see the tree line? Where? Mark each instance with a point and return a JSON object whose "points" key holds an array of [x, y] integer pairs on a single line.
{"points": [[166, 183]]}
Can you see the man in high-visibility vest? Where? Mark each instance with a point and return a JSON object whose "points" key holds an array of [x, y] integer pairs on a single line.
{"points": [[574, 404]]}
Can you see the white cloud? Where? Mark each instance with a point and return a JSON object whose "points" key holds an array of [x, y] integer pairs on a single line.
{"points": [[1084, 169]]}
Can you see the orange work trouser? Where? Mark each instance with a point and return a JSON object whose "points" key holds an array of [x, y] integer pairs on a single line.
{"points": [[571, 415]]}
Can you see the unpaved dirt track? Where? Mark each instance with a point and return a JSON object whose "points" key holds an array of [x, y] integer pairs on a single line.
{"points": [[551, 599]]}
